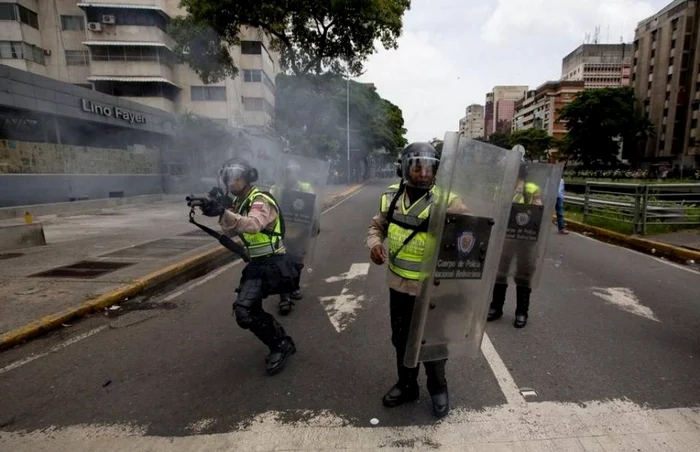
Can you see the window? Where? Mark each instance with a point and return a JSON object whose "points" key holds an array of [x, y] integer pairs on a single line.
{"points": [[21, 51], [8, 11], [208, 93], [254, 75], [130, 89], [28, 17], [129, 16], [76, 57], [132, 53], [251, 47], [13, 11], [252, 103], [72, 23]]}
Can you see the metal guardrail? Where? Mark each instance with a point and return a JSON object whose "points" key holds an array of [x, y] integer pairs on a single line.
{"points": [[640, 205]]}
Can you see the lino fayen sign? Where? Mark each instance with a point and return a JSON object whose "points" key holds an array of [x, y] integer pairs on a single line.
{"points": [[112, 112]]}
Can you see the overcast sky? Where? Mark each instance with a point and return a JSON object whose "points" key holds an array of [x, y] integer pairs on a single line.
{"points": [[453, 52]]}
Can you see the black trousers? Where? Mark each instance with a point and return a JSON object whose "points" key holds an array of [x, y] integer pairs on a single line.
{"points": [[401, 310], [250, 314]]}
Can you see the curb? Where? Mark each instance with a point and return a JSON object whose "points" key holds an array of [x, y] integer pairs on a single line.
{"points": [[658, 249], [151, 281]]}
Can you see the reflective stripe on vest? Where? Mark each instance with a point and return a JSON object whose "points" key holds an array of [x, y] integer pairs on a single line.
{"points": [[268, 241]]}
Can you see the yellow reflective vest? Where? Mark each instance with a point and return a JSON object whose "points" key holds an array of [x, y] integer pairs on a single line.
{"points": [[268, 241], [531, 189], [406, 260]]}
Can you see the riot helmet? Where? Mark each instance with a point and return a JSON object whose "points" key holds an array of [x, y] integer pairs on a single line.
{"points": [[235, 169], [418, 164]]}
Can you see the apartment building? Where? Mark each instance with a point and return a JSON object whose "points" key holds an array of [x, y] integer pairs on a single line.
{"points": [[666, 80], [538, 109], [472, 125], [122, 48], [599, 65], [500, 107]]}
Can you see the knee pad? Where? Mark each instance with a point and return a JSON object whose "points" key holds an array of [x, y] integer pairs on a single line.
{"points": [[244, 317]]}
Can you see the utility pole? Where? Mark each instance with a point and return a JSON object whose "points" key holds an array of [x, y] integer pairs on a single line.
{"points": [[347, 119]]}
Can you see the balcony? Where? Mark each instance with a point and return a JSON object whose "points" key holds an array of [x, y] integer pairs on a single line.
{"points": [[131, 33], [131, 69], [257, 89]]}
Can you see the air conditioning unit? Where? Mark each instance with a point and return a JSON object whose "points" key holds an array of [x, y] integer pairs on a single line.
{"points": [[47, 52], [109, 19], [94, 26]]}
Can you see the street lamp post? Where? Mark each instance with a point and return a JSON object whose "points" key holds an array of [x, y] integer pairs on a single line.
{"points": [[347, 119]]}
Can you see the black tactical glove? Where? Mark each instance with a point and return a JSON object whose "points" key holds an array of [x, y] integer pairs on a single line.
{"points": [[212, 209]]}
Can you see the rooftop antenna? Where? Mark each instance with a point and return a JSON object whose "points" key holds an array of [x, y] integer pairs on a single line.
{"points": [[596, 35]]}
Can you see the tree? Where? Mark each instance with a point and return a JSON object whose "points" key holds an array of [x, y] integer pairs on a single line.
{"points": [[499, 139], [597, 120], [535, 141], [311, 117], [313, 37]]}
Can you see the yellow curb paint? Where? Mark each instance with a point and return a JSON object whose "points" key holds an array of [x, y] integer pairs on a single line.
{"points": [[53, 321], [675, 253]]}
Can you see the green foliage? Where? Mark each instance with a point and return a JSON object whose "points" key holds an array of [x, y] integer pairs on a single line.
{"points": [[499, 139], [596, 119], [535, 141], [311, 117], [312, 36]]}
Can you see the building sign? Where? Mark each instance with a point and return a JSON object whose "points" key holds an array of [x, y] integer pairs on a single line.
{"points": [[112, 112]]}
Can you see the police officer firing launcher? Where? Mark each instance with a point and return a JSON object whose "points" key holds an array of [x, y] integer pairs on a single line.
{"points": [[256, 220]]}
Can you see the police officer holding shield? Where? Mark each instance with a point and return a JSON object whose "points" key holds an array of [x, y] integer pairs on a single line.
{"points": [[403, 220], [256, 220], [299, 234], [529, 193]]}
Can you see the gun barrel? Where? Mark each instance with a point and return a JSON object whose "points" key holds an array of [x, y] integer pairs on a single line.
{"points": [[194, 201]]}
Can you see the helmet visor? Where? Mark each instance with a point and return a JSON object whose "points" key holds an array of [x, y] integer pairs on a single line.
{"points": [[419, 171], [229, 174]]}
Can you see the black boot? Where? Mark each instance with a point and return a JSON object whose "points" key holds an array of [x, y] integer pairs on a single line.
{"points": [[286, 304], [297, 295], [275, 361], [523, 300], [406, 390], [437, 387], [499, 298], [441, 403]]}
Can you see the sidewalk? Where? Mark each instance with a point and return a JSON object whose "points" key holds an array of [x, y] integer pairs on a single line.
{"points": [[689, 239], [121, 245]]}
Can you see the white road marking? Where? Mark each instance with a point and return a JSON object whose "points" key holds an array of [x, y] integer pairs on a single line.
{"points": [[626, 300], [336, 205], [341, 309], [53, 349], [505, 380], [617, 425], [356, 271]]}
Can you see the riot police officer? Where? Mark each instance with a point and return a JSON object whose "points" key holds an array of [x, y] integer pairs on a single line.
{"points": [[295, 248], [403, 220], [526, 192], [256, 220]]}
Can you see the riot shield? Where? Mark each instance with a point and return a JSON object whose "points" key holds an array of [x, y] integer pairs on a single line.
{"points": [[529, 223], [299, 188], [462, 249]]}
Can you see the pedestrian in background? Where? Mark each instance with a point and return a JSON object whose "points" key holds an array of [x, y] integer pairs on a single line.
{"points": [[560, 208]]}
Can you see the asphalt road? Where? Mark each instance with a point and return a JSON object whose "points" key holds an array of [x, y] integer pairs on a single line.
{"points": [[190, 362]]}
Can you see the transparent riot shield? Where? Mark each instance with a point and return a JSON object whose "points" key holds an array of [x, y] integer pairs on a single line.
{"points": [[529, 223], [462, 249], [299, 188]]}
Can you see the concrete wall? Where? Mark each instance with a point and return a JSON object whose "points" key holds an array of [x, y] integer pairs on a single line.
{"points": [[27, 189]]}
